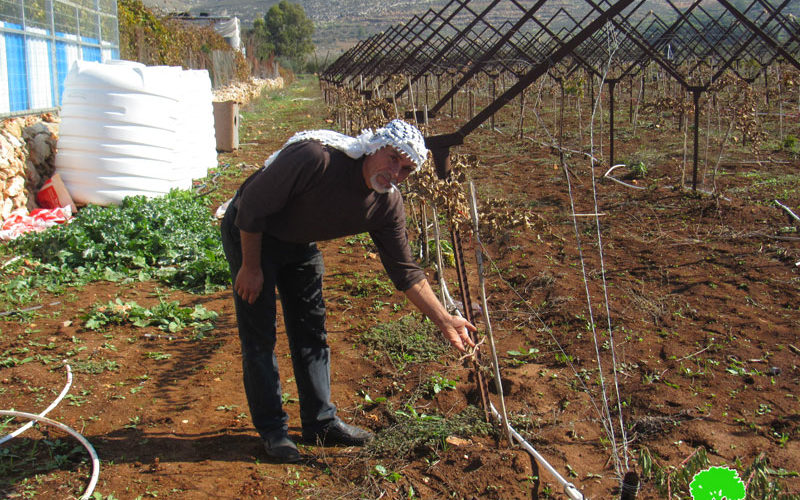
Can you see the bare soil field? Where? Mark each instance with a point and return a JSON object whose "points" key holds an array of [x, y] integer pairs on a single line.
{"points": [[697, 298]]}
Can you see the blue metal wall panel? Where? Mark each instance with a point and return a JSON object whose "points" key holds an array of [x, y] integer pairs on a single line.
{"points": [[91, 53], [17, 72], [62, 67], [63, 61]]}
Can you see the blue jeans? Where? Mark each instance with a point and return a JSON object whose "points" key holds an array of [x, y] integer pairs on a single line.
{"points": [[296, 270]]}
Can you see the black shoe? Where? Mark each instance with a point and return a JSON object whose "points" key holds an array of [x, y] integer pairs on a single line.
{"points": [[338, 432], [280, 448]]}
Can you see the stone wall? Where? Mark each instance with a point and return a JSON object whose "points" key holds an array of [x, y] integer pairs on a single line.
{"points": [[27, 154], [243, 92]]}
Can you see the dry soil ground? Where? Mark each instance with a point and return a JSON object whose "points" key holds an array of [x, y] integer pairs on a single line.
{"points": [[703, 297]]}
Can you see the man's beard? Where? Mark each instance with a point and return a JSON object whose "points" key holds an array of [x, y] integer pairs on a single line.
{"points": [[377, 186]]}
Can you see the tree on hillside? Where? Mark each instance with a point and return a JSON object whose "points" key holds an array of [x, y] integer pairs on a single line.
{"points": [[285, 31]]}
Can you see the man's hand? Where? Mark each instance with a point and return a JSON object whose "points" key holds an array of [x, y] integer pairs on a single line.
{"points": [[454, 328], [457, 333], [249, 283], [250, 279]]}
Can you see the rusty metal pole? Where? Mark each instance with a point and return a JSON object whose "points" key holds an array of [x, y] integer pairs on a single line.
{"points": [[461, 272], [696, 97], [561, 125], [494, 96], [611, 84], [426, 256], [630, 101]]}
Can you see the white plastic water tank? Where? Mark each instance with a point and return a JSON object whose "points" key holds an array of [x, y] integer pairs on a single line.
{"points": [[124, 131], [197, 119]]}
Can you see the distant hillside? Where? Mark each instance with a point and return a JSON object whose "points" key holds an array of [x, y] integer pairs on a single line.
{"points": [[341, 23]]}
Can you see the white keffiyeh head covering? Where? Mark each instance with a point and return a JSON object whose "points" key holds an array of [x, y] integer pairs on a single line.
{"points": [[402, 136]]}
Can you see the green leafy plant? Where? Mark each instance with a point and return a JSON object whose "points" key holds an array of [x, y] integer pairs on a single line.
{"points": [[638, 170], [563, 358], [717, 483], [791, 144], [167, 316], [361, 285], [521, 356], [437, 383], [93, 367], [172, 239], [448, 255], [158, 356], [391, 476], [24, 458], [133, 422]]}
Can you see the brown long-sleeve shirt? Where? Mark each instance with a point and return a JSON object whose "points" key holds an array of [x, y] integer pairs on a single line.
{"points": [[311, 192]]}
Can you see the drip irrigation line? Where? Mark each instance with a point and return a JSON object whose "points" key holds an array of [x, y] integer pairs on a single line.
{"points": [[569, 489], [86, 444], [200, 189], [607, 175], [560, 149], [55, 403], [43, 419], [10, 261], [606, 299], [27, 309], [607, 422], [788, 210]]}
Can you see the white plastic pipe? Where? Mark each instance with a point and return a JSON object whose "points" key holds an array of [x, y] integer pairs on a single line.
{"points": [[46, 411], [569, 489], [86, 444]]}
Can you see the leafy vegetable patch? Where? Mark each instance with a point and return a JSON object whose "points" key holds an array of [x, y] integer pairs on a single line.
{"points": [[167, 316], [171, 239]]}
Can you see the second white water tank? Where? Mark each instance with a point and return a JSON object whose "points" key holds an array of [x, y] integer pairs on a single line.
{"points": [[129, 129]]}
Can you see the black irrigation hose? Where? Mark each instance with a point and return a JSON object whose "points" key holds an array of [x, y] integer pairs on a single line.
{"points": [[213, 180], [27, 309]]}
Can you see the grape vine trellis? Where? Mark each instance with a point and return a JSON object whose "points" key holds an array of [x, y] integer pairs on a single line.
{"points": [[477, 57]]}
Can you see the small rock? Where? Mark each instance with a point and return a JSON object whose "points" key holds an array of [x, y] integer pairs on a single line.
{"points": [[457, 441], [15, 187]]}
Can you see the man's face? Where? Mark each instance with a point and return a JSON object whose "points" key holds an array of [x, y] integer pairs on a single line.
{"points": [[386, 167]]}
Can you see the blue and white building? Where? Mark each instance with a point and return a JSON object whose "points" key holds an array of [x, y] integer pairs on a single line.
{"points": [[39, 42]]}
